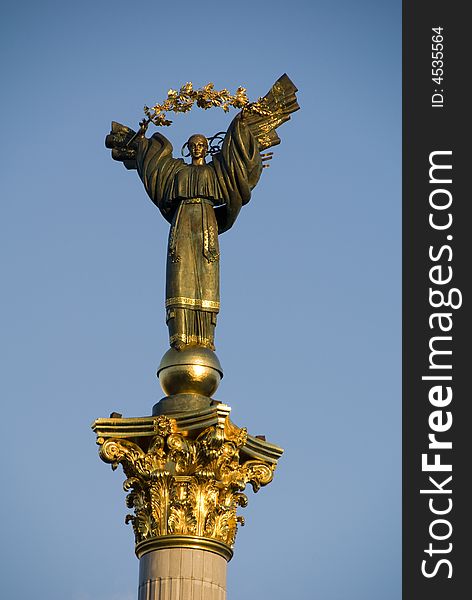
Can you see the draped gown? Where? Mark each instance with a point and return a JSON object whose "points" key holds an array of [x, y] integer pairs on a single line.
{"points": [[200, 202]]}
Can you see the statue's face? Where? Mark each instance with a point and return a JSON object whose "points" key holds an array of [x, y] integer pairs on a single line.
{"points": [[198, 146]]}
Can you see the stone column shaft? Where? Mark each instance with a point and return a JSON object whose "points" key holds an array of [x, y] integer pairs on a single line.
{"points": [[182, 574]]}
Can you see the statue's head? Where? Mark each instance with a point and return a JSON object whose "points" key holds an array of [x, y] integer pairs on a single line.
{"points": [[198, 146]]}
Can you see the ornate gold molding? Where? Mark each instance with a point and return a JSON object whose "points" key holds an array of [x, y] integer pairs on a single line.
{"points": [[186, 482], [184, 541], [195, 302]]}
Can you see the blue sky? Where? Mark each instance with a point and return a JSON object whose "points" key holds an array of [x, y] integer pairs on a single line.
{"points": [[309, 331]]}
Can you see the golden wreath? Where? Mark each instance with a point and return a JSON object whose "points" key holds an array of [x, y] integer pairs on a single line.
{"points": [[207, 97]]}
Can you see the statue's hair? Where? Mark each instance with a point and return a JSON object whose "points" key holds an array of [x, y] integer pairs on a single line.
{"points": [[197, 135], [213, 143]]}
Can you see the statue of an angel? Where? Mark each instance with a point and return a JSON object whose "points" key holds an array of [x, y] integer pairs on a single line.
{"points": [[202, 200]]}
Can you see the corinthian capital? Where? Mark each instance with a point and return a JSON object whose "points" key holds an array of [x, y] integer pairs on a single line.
{"points": [[186, 477]]}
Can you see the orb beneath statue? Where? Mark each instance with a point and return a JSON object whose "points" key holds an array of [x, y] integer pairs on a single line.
{"points": [[194, 371]]}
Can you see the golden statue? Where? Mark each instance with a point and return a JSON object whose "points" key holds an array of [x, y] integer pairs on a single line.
{"points": [[187, 465], [202, 200]]}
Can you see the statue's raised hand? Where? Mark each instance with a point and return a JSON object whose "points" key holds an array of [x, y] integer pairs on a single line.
{"points": [[123, 142]]}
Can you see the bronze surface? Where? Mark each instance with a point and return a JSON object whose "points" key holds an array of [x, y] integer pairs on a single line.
{"points": [[202, 200]]}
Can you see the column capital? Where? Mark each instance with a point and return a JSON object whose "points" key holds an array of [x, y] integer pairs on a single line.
{"points": [[185, 476]]}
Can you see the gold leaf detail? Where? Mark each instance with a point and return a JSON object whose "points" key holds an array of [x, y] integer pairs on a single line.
{"points": [[206, 97], [186, 483]]}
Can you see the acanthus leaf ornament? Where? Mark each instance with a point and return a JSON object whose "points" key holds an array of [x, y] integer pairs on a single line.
{"points": [[183, 483]]}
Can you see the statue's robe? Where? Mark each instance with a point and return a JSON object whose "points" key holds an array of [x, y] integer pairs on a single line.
{"points": [[200, 201]]}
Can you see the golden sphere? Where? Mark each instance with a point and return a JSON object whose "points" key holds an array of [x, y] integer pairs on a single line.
{"points": [[194, 370]]}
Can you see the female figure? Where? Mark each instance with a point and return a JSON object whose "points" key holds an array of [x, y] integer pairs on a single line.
{"points": [[201, 200]]}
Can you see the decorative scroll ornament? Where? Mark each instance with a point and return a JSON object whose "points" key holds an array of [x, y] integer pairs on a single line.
{"points": [[183, 486]]}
